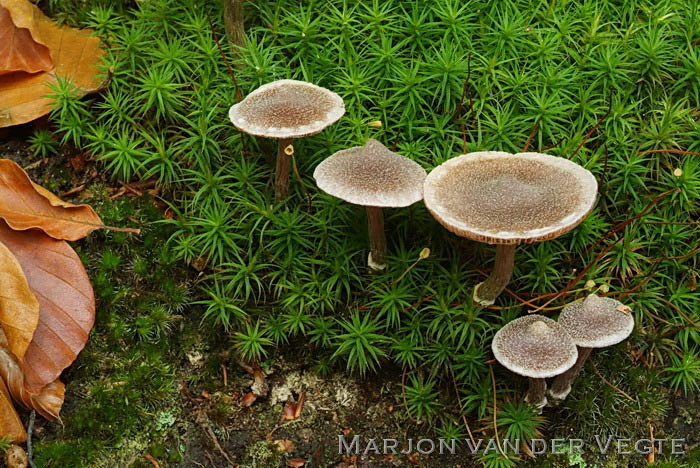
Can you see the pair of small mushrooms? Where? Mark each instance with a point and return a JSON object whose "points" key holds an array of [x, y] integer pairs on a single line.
{"points": [[489, 196], [492, 197], [370, 175], [537, 347]]}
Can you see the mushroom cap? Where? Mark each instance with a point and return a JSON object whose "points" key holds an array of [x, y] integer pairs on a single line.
{"points": [[502, 198], [371, 175], [534, 346], [287, 109], [597, 322]]}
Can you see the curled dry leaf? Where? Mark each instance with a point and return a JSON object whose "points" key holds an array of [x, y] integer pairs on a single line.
{"points": [[76, 55], [19, 309], [25, 205], [296, 462], [59, 281], [10, 425], [47, 403], [18, 49]]}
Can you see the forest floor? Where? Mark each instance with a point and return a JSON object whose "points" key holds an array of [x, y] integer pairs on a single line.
{"points": [[152, 391]]}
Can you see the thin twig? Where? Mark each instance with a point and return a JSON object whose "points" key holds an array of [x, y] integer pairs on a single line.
{"points": [[495, 410], [677, 257], [30, 428], [609, 384], [403, 394], [595, 127], [532, 135], [461, 408], [674, 151]]}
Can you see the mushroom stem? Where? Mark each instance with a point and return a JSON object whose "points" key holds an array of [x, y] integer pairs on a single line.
{"points": [[562, 383], [486, 293], [282, 170], [377, 238], [536, 393]]}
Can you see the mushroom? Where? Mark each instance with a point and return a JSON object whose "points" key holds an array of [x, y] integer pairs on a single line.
{"points": [[595, 322], [284, 110], [376, 178], [508, 199], [536, 347]]}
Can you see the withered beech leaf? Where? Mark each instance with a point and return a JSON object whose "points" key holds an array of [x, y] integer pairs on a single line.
{"points": [[59, 281], [76, 55], [25, 205], [18, 49], [10, 425], [19, 308], [47, 403]]}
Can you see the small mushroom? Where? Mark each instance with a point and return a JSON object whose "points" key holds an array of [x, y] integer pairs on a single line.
{"points": [[284, 110], [376, 178], [508, 199], [536, 347], [595, 322]]}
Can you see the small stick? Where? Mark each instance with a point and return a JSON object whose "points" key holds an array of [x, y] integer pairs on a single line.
{"points": [[609, 384], [532, 135], [674, 151], [595, 127], [495, 410], [403, 394], [461, 409], [30, 428], [72, 191]]}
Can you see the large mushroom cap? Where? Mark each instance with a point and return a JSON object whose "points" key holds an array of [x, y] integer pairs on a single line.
{"points": [[287, 109], [597, 322], [371, 175], [503, 198], [534, 346]]}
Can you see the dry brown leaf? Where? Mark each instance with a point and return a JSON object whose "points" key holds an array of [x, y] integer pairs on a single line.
{"points": [[58, 279], [18, 50], [76, 55], [248, 400], [10, 425], [25, 205], [296, 462], [19, 308], [47, 403]]}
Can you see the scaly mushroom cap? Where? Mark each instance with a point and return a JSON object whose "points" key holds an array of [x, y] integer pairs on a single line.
{"points": [[287, 109], [371, 175], [534, 346], [503, 198], [597, 322]]}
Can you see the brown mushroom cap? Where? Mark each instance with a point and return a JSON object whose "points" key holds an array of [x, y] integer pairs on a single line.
{"points": [[503, 198], [534, 346], [597, 322], [371, 175], [287, 109]]}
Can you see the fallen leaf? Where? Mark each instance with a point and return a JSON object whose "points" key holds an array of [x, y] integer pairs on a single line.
{"points": [[58, 279], [10, 425], [296, 462], [25, 205], [19, 309], [76, 55], [292, 409], [19, 51], [47, 403], [248, 400]]}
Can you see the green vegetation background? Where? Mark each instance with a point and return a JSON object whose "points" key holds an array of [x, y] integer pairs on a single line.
{"points": [[443, 76]]}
